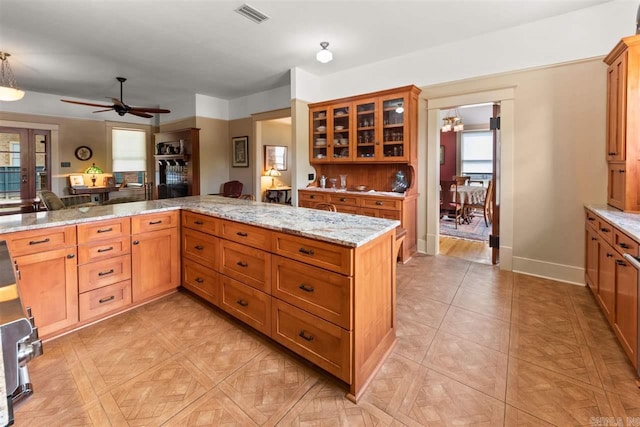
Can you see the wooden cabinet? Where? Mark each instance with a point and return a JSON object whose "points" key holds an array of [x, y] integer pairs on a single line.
{"points": [[177, 158], [45, 261], [623, 128], [200, 256], [625, 321], [155, 254], [591, 258], [606, 278]]}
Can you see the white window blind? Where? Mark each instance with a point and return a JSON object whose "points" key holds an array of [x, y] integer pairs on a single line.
{"points": [[128, 150], [476, 152]]}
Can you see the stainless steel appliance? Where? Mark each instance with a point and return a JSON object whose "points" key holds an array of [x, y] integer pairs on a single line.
{"points": [[20, 342], [635, 262]]}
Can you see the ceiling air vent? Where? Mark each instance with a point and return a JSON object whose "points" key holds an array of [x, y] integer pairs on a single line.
{"points": [[252, 14]]}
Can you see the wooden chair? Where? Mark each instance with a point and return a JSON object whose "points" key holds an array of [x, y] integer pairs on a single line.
{"points": [[485, 207], [247, 197], [449, 205], [232, 189], [325, 207], [461, 179], [53, 203]]}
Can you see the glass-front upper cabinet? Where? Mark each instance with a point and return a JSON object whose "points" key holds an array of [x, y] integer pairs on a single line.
{"points": [[394, 130], [366, 135], [340, 146], [319, 134]]}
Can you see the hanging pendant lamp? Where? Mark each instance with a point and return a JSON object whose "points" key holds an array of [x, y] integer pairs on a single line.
{"points": [[8, 88]]}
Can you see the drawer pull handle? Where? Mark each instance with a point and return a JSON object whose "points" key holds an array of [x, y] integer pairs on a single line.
{"points": [[106, 273], [604, 230], [305, 336], [306, 251], [594, 238], [591, 218], [199, 280], [242, 234], [198, 247], [379, 203], [37, 242], [198, 222], [107, 299], [110, 248], [306, 288], [242, 302], [612, 153], [621, 263], [106, 230], [342, 199], [623, 245], [242, 264], [155, 222], [71, 256], [621, 170]]}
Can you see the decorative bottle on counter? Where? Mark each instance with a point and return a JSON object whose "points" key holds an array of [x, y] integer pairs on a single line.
{"points": [[323, 181], [400, 184]]}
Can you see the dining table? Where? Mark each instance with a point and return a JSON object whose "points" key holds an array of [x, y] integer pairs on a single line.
{"points": [[469, 195]]}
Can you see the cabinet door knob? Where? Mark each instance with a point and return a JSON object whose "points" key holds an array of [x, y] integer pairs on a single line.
{"points": [[71, 256], [609, 255], [242, 302], [136, 242]]}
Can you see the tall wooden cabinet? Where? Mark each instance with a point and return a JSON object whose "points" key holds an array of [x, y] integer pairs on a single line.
{"points": [[177, 158], [623, 126]]}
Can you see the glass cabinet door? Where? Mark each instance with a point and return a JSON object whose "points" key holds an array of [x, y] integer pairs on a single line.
{"points": [[340, 144], [394, 130], [319, 135], [366, 121]]}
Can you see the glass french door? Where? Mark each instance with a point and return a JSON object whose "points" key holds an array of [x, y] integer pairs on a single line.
{"points": [[25, 159]]}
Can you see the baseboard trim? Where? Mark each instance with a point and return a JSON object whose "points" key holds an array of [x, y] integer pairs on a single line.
{"points": [[549, 270]]}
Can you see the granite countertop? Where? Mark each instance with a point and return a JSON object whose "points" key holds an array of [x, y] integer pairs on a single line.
{"points": [[341, 228], [360, 193], [627, 222]]}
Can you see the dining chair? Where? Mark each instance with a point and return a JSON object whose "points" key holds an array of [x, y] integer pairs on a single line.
{"points": [[449, 205], [53, 203], [461, 179], [485, 206], [325, 207]]}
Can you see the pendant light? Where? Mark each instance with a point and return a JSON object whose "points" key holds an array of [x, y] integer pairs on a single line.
{"points": [[8, 88], [325, 54], [452, 122]]}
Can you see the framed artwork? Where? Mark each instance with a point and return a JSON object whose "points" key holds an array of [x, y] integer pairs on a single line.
{"points": [[108, 181], [83, 153], [275, 156], [240, 152], [76, 181], [442, 154]]}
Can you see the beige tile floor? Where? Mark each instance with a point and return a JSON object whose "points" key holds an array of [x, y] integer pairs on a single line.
{"points": [[476, 346]]}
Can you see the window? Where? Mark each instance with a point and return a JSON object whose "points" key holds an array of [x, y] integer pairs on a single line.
{"points": [[476, 154], [128, 150]]}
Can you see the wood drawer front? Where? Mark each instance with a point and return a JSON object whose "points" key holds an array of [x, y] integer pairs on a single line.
{"points": [[246, 234], [348, 209], [605, 230], [321, 292], [101, 230], [624, 244], [101, 301], [154, 221], [343, 199], [200, 247], [248, 265], [201, 280], [96, 251], [317, 340], [381, 203], [320, 254], [381, 213], [312, 197], [46, 239], [101, 273], [591, 219], [246, 303], [200, 222]]}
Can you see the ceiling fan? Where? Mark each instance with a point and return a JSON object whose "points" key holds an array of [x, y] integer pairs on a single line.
{"points": [[120, 107]]}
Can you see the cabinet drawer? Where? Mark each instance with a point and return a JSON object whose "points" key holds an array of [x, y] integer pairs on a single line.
{"points": [[317, 340], [624, 244], [154, 221], [381, 213], [41, 240], [250, 266], [348, 209], [101, 273], [196, 221], [321, 292], [101, 230], [246, 234], [605, 230], [381, 203], [200, 280], [320, 254], [200, 247], [591, 218], [101, 301], [104, 250], [312, 197], [247, 304], [343, 199]]}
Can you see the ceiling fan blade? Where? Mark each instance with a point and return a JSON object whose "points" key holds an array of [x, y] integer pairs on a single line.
{"points": [[118, 102], [139, 114], [149, 110], [87, 103], [102, 111]]}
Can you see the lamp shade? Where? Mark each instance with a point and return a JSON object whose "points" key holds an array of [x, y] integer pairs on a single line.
{"points": [[325, 54], [273, 172], [93, 169], [10, 94]]}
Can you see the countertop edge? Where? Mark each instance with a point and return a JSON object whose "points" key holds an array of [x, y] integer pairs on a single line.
{"points": [[627, 222]]}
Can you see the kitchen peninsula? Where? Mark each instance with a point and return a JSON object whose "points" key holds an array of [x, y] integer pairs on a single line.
{"points": [[320, 283]]}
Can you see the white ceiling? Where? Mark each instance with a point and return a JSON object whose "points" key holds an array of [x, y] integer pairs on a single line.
{"points": [[169, 48]]}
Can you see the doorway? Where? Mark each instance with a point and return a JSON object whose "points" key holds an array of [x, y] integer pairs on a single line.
{"points": [[25, 162]]}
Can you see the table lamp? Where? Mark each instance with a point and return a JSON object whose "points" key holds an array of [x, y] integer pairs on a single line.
{"points": [[273, 172], [93, 170]]}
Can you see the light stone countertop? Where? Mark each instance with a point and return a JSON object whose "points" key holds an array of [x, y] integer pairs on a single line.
{"points": [[333, 227], [361, 193], [627, 222]]}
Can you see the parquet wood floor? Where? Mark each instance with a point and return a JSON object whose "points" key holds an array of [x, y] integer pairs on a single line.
{"points": [[476, 346]]}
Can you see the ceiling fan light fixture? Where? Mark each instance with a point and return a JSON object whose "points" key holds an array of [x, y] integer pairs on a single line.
{"points": [[9, 90], [325, 54]]}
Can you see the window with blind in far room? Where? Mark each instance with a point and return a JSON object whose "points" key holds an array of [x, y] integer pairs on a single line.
{"points": [[128, 150], [476, 154]]}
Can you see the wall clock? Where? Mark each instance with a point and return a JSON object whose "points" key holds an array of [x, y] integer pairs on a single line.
{"points": [[83, 152]]}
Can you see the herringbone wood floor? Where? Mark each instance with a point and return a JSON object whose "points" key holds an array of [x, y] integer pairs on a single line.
{"points": [[476, 346]]}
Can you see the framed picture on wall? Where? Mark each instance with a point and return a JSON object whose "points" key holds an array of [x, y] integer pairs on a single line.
{"points": [[240, 152], [275, 156]]}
